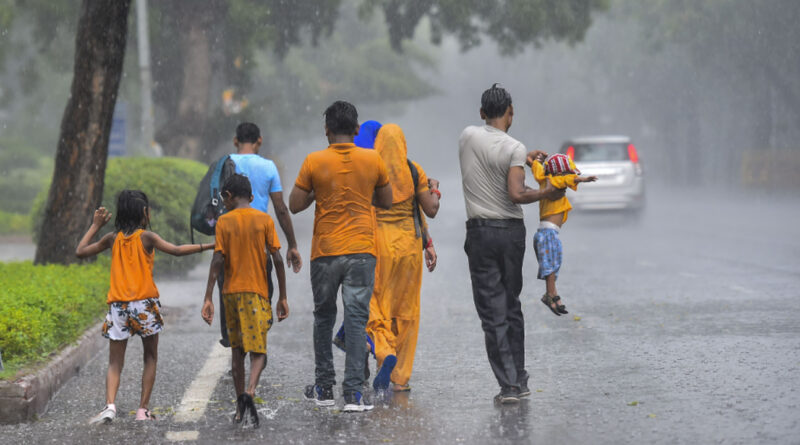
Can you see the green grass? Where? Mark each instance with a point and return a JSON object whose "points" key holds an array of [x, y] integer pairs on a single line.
{"points": [[14, 223], [43, 308]]}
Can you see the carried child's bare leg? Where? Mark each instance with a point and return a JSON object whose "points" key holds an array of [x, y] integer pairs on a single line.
{"points": [[257, 364], [116, 361], [550, 283], [556, 304], [150, 358]]}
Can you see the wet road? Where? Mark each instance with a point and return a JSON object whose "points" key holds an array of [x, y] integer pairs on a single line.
{"points": [[688, 333]]}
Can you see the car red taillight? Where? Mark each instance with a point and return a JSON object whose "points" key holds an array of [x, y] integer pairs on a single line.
{"points": [[634, 157]]}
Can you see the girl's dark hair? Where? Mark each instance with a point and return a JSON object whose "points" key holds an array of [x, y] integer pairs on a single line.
{"points": [[131, 206], [495, 101]]}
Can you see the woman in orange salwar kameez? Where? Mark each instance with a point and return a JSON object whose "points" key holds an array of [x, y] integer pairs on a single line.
{"points": [[394, 309]]}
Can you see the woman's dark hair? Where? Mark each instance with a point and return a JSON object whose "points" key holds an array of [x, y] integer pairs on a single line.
{"points": [[247, 132], [131, 205], [495, 101], [238, 186], [341, 118]]}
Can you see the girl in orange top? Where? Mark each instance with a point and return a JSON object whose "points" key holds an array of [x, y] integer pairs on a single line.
{"points": [[133, 306]]}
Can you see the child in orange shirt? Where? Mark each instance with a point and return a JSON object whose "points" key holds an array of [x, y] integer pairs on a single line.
{"points": [[243, 237], [133, 304], [559, 170]]}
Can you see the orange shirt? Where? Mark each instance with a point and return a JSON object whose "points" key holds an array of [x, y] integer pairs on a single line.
{"points": [[131, 269], [343, 178], [243, 236]]}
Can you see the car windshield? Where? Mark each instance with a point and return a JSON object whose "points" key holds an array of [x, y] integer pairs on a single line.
{"points": [[601, 152]]}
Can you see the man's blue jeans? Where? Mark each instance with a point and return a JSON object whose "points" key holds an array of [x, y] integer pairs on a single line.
{"points": [[356, 276]]}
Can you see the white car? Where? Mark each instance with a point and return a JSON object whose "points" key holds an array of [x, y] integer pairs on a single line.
{"points": [[615, 162]]}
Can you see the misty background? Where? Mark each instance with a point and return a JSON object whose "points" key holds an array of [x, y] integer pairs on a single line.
{"points": [[709, 91]]}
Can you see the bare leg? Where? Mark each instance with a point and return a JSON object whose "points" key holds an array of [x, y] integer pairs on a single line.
{"points": [[116, 360], [550, 282], [257, 364], [237, 368], [150, 346]]}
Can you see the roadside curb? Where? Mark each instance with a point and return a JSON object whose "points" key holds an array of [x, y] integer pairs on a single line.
{"points": [[26, 398]]}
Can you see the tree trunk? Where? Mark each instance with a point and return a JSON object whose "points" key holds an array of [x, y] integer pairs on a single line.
{"points": [[185, 134], [77, 187]]}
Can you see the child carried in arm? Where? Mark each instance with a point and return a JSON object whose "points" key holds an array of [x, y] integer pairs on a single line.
{"points": [[244, 235], [559, 171]]}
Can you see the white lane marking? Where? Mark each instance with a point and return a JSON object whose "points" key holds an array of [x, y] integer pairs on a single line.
{"points": [[197, 395], [181, 436]]}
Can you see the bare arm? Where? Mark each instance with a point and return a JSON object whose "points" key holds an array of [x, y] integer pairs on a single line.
{"points": [[151, 240], [217, 264], [519, 193], [382, 198], [429, 199], [300, 199], [85, 247], [282, 307], [293, 258]]}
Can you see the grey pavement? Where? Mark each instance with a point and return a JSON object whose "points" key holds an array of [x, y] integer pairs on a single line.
{"points": [[686, 332]]}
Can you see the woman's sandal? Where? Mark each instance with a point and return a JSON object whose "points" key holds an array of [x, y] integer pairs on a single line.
{"points": [[400, 388], [549, 302], [561, 308]]}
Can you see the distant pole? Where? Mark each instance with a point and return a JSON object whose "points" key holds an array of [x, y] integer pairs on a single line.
{"points": [[146, 80]]}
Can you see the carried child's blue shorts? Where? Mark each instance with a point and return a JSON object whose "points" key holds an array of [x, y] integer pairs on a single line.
{"points": [[548, 250]]}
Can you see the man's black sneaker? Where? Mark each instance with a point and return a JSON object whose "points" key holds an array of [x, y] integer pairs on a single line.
{"points": [[507, 396], [524, 391], [356, 402], [321, 396]]}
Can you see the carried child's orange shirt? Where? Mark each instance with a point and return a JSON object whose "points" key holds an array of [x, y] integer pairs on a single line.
{"points": [[243, 237], [131, 270], [343, 178], [549, 207]]}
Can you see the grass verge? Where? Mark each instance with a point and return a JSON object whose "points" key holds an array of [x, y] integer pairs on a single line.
{"points": [[43, 308]]}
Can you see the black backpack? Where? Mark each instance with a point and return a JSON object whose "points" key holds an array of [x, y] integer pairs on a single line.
{"points": [[419, 222], [207, 206]]}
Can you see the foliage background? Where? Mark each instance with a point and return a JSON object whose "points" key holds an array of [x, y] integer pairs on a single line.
{"points": [[170, 185]]}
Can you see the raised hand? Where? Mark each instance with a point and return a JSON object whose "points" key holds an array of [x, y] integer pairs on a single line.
{"points": [[101, 217]]}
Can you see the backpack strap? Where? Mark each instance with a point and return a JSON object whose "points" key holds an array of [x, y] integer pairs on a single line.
{"points": [[215, 187]]}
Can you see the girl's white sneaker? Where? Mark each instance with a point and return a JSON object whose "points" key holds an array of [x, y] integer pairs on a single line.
{"points": [[106, 415]]}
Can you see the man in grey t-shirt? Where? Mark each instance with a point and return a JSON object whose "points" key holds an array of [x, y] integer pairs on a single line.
{"points": [[493, 178]]}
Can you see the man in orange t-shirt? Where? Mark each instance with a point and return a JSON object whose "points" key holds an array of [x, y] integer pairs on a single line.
{"points": [[345, 181], [243, 237]]}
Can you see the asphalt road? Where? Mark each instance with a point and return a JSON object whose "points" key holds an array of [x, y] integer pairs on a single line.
{"points": [[682, 329]]}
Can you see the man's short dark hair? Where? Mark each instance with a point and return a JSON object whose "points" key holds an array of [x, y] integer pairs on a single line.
{"points": [[238, 186], [247, 132], [495, 101], [341, 118]]}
